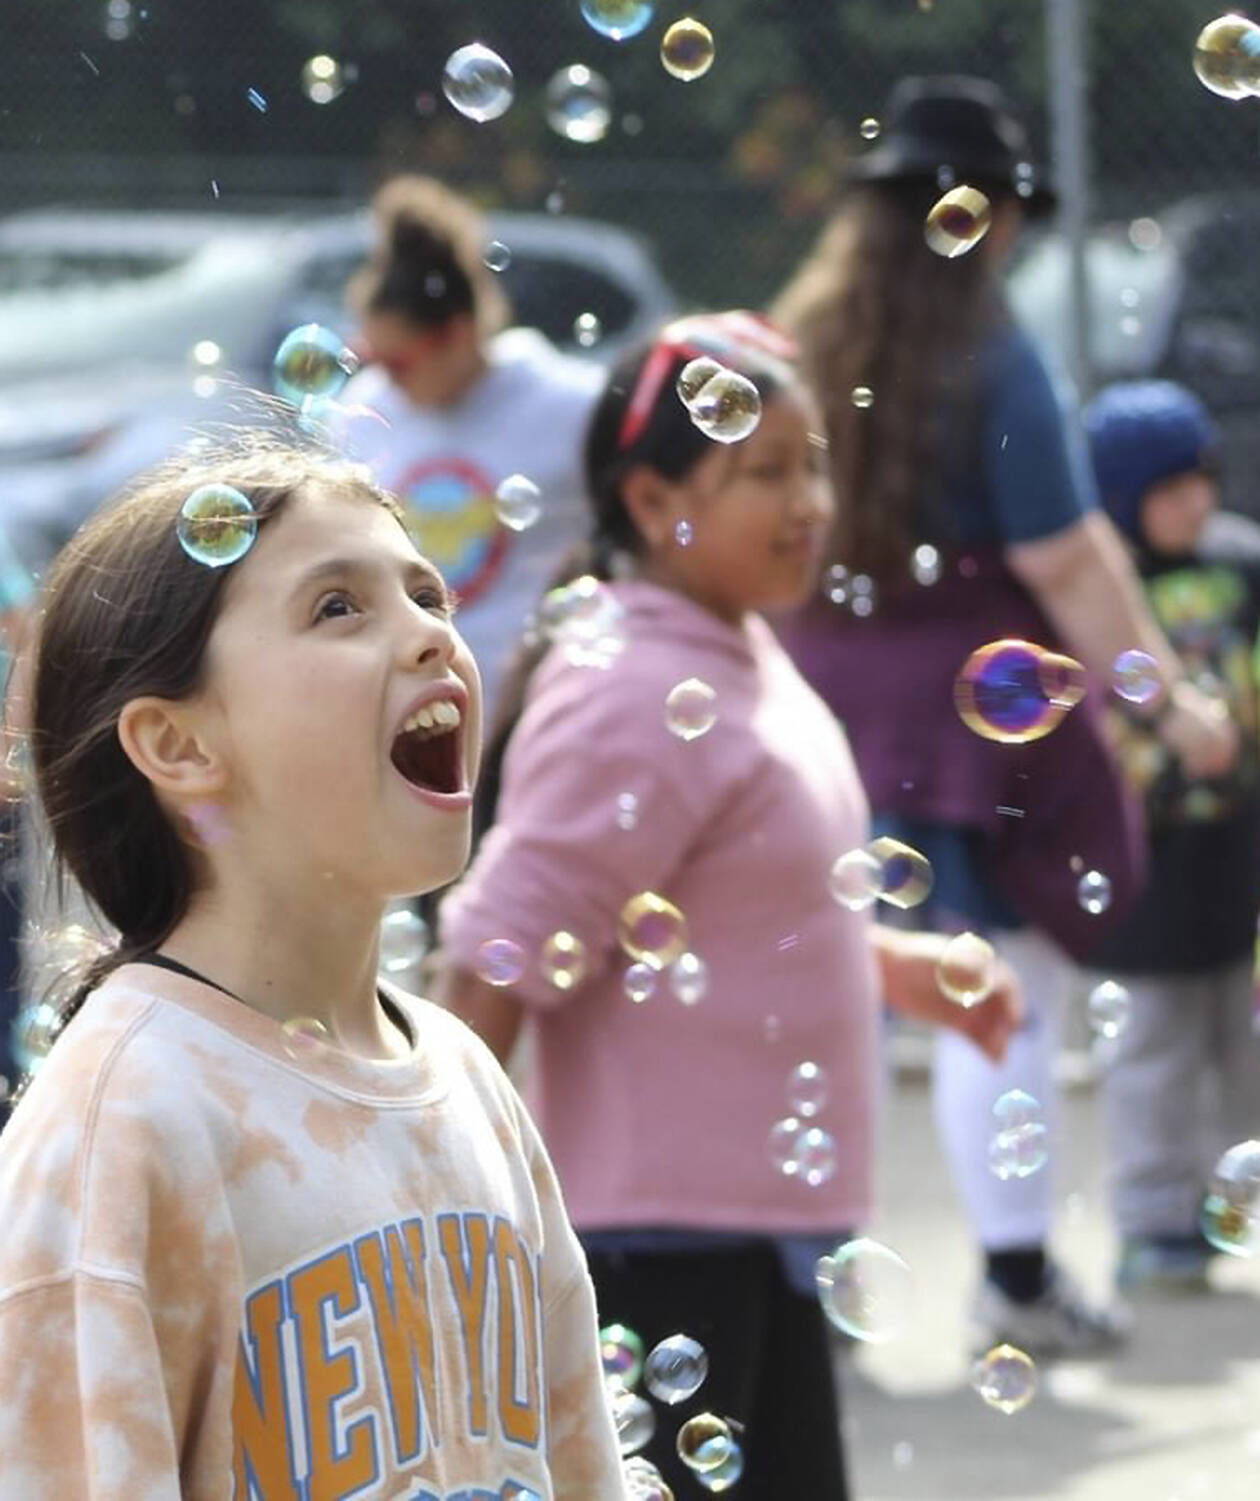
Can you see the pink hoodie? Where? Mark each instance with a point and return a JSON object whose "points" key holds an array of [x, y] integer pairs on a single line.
{"points": [[659, 1113]]}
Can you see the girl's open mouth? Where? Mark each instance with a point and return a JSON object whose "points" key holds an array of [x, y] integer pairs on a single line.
{"points": [[426, 751]]}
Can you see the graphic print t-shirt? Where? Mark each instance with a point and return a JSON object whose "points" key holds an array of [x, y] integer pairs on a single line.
{"points": [[527, 415], [234, 1265]]}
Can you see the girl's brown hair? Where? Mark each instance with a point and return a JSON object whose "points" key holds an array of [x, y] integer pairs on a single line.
{"points": [[126, 613], [874, 306]]}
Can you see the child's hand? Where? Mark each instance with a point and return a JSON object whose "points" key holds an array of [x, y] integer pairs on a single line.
{"points": [[908, 968]]}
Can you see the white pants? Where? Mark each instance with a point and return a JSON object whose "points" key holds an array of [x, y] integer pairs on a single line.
{"points": [[1015, 1212], [1182, 1082]]}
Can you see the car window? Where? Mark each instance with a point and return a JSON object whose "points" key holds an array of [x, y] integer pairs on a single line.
{"points": [[33, 269], [550, 294]]}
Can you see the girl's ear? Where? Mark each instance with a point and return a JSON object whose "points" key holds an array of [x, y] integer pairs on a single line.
{"points": [[165, 743], [652, 503]]}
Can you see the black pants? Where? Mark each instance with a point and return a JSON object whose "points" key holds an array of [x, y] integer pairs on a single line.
{"points": [[770, 1363]]}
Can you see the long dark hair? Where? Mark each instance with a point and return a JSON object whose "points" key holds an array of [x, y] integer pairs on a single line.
{"points": [[127, 613], [874, 306]]}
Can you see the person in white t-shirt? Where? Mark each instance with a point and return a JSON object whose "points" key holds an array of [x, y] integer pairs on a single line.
{"points": [[467, 404]]}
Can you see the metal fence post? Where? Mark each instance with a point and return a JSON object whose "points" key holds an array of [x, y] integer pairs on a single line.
{"points": [[1066, 89]]}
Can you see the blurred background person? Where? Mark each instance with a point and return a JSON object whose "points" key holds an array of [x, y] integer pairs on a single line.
{"points": [[966, 513], [1182, 1074]]}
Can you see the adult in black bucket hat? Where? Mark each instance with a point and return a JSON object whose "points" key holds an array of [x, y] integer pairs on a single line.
{"points": [[966, 513]]}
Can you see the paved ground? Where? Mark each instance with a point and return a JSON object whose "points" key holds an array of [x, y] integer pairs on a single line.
{"points": [[1176, 1417]]}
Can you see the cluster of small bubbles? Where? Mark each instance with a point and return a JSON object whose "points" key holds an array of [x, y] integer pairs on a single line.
{"points": [[499, 962], [579, 104], [633, 1419], [404, 940], [704, 1442], [639, 982], [1108, 1008], [690, 709], [1019, 1148], [586, 620], [1230, 1216], [866, 1290], [967, 969], [906, 878], [497, 257], [652, 930], [1135, 676], [727, 408], [857, 879], [627, 811], [587, 330], [869, 128], [925, 565], [781, 1145], [305, 1037], [1227, 57], [478, 83], [1005, 1378], [644, 1481], [563, 960], [217, 525], [621, 1353], [1093, 892], [683, 534], [957, 221], [1014, 691], [687, 49], [675, 1369], [322, 79], [312, 361], [694, 376], [618, 19], [807, 1089], [689, 978], [518, 502], [862, 397]]}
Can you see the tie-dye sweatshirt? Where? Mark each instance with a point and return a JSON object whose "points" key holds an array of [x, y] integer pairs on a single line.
{"points": [[230, 1271]]}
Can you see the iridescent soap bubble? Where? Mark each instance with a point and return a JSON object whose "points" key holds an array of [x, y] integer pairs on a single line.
{"points": [[497, 257], [687, 49], [1108, 1008], [404, 939], [500, 962], [652, 930], [813, 1158], [957, 221], [967, 969], [683, 534], [704, 1442], [639, 983], [1236, 1176], [689, 978], [690, 709], [579, 104], [1135, 676], [618, 19], [644, 1481], [675, 1369], [905, 875], [925, 565], [781, 1146], [1020, 1151], [694, 376], [1005, 1378], [807, 1089], [312, 361], [35, 1029], [518, 502], [1227, 57], [586, 620], [1015, 1108], [866, 1290], [305, 1037], [869, 128], [857, 879], [621, 1353], [1228, 1227], [863, 602], [563, 960], [1006, 692], [322, 79], [1062, 679], [862, 397], [627, 811], [633, 1419], [725, 1475], [837, 584], [587, 330], [727, 408], [1093, 892], [478, 82], [217, 525]]}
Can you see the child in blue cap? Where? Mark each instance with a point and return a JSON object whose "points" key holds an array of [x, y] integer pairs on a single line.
{"points": [[1185, 952]]}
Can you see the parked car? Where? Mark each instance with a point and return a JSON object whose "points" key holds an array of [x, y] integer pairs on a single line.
{"points": [[1174, 295], [125, 332]]}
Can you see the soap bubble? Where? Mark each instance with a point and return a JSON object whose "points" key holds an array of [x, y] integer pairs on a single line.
{"points": [[1015, 692], [813, 1158], [723, 1476], [1093, 892], [652, 930], [518, 502], [618, 19], [905, 875], [1135, 676], [322, 79], [644, 1481], [683, 534], [563, 960], [694, 376], [857, 879], [687, 49], [1227, 57], [478, 82], [1236, 1176], [869, 128], [35, 1029], [305, 1038], [925, 565], [497, 257], [404, 939], [1020, 1151], [627, 811], [1228, 1227], [675, 1369], [807, 1089], [1015, 1108], [633, 1419], [312, 361], [837, 584], [690, 709], [1108, 1008], [966, 970], [704, 1442], [862, 397], [621, 1352], [1005, 1378], [586, 620], [499, 961], [639, 983], [217, 525], [727, 407], [782, 1145], [957, 221], [866, 1290], [579, 104], [587, 330], [689, 978]]}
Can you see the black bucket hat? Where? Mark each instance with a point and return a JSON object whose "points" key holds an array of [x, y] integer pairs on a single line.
{"points": [[955, 130]]}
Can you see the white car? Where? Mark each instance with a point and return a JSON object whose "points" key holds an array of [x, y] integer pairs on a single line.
{"points": [[125, 333]]}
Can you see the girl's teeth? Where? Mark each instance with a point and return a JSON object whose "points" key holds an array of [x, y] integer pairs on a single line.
{"points": [[438, 716]]}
